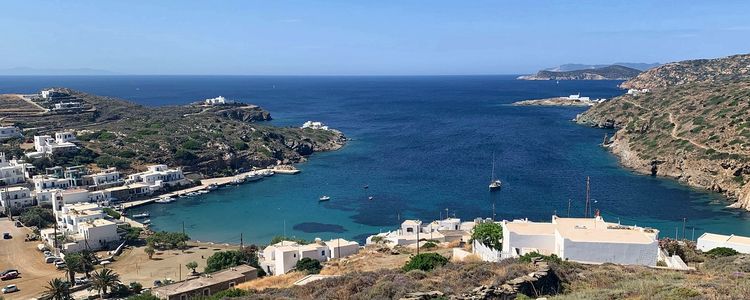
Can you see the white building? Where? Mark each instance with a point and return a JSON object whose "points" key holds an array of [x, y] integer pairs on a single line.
{"points": [[45, 196], [708, 241], [314, 125], [73, 196], [83, 227], [586, 240], [158, 176], [106, 178], [218, 101], [67, 106], [46, 145], [446, 230], [281, 257], [12, 171], [44, 182], [9, 132], [15, 197]]}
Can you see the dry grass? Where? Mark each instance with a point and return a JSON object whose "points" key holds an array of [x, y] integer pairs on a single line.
{"points": [[275, 282]]}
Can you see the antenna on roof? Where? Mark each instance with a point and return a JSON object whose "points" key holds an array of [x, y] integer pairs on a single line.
{"points": [[587, 209]]}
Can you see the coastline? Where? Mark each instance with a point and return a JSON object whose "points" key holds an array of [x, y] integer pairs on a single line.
{"points": [[556, 101]]}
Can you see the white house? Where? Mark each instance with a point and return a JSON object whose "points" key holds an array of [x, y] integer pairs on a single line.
{"points": [[46, 145], [45, 196], [106, 178], [9, 132], [218, 101], [314, 125], [16, 196], [72, 196], [67, 106], [13, 171], [83, 227], [158, 176], [446, 230], [44, 182], [586, 240], [708, 241], [281, 257]]}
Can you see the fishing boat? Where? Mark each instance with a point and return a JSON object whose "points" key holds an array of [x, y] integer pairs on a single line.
{"points": [[141, 215], [370, 198], [212, 187], [146, 221], [164, 199], [191, 194], [495, 184], [366, 186], [253, 177], [202, 192], [324, 198]]}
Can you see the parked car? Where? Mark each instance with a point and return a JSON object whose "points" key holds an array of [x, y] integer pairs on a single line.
{"points": [[81, 280], [42, 247], [10, 289], [50, 259], [9, 276], [60, 265], [6, 236], [8, 271], [18, 224]]}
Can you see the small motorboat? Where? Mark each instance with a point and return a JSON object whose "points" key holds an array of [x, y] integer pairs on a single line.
{"points": [[191, 194], [202, 192], [212, 187], [146, 221], [164, 200], [366, 186], [141, 215], [370, 198], [324, 198]]}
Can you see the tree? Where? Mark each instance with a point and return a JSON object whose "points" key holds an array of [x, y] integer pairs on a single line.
{"points": [[112, 213], [167, 240], [230, 293], [224, 259], [489, 234], [146, 296], [73, 264], [57, 289], [425, 262], [87, 261], [104, 280], [135, 287], [149, 251], [308, 266], [192, 266], [37, 216]]}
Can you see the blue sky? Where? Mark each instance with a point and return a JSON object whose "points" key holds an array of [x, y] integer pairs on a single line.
{"points": [[363, 37]]}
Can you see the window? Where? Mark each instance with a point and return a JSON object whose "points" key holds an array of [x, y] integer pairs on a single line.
{"points": [[323, 253], [206, 292], [183, 297], [231, 284], [409, 229]]}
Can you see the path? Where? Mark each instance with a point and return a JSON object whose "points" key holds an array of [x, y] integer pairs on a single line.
{"points": [[674, 135]]}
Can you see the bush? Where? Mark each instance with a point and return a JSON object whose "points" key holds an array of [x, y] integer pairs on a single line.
{"points": [[308, 266], [489, 234], [106, 161], [722, 252], [425, 262], [230, 293], [429, 245], [224, 259], [146, 296], [528, 257]]}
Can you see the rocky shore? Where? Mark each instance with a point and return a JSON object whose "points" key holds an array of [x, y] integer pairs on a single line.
{"points": [[692, 126]]}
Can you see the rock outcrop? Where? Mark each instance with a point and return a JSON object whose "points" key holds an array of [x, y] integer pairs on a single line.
{"points": [[692, 125], [613, 72]]}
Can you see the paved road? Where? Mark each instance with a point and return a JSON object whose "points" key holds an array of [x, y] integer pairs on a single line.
{"points": [[23, 256]]}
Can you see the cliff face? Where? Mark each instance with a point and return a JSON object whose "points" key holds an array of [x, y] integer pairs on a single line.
{"points": [[613, 72], [693, 125]]}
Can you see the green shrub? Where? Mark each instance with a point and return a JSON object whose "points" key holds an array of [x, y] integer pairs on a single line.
{"points": [[308, 266], [429, 245], [489, 234], [167, 240], [722, 252], [111, 212], [528, 257], [37, 216], [425, 262]]}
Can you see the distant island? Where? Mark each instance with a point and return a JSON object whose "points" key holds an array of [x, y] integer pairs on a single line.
{"points": [[613, 72], [687, 120], [574, 67]]}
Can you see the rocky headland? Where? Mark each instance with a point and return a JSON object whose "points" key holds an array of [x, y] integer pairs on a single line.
{"points": [[557, 101], [210, 140], [692, 125], [613, 72]]}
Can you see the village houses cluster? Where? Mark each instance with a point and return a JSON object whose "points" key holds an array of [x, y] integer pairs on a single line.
{"points": [[76, 194]]}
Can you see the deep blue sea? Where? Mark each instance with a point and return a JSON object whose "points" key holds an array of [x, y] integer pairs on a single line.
{"points": [[422, 145]]}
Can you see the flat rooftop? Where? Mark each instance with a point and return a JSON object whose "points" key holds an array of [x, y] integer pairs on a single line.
{"points": [[720, 238], [234, 274], [592, 230]]}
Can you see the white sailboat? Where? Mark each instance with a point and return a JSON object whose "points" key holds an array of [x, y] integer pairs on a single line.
{"points": [[495, 184]]}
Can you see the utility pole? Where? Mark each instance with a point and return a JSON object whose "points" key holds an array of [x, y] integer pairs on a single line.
{"points": [[684, 220], [676, 236], [419, 228], [693, 238], [179, 269], [569, 207], [588, 199], [241, 242], [183, 227]]}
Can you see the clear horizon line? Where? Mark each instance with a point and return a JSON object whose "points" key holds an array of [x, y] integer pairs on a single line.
{"points": [[274, 75]]}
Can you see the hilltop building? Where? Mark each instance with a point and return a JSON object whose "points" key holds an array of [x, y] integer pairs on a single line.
{"points": [[314, 125], [281, 257], [218, 101], [46, 145], [446, 230], [9, 132]]}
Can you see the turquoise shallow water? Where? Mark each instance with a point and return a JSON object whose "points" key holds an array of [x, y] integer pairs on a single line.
{"points": [[422, 144]]}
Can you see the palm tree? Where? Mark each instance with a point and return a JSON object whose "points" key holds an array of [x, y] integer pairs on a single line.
{"points": [[73, 264], [87, 261], [57, 289], [103, 280]]}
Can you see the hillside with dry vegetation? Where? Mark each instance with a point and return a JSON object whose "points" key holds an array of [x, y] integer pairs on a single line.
{"points": [[693, 124], [212, 140]]}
